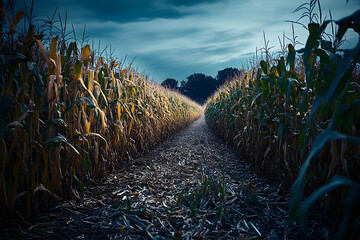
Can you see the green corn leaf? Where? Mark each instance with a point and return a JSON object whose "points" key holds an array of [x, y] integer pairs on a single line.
{"points": [[341, 70], [288, 92], [351, 212], [89, 101], [58, 120], [298, 187], [291, 57], [345, 23], [256, 97], [312, 43], [327, 45], [349, 110], [263, 65], [315, 108], [351, 207], [59, 139], [78, 66], [79, 184], [336, 182]]}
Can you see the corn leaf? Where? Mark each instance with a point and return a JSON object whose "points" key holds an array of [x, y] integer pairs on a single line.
{"points": [[57, 140], [79, 184], [298, 187], [89, 101], [336, 182]]}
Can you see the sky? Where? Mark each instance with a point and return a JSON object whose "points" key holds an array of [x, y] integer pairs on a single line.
{"points": [[176, 38]]}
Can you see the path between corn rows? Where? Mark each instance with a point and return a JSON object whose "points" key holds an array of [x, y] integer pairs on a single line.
{"points": [[142, 200]]}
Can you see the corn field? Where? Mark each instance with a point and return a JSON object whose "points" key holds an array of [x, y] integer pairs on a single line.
{"points": [[69, 116], [296, 120]]}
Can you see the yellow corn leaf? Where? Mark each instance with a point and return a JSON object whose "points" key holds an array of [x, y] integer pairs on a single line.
{"points": [[85, 53], [122, 74], [13, 23], [84, 117], [106, 81], [118, 110], [91, 80], [44, 189], [52, 66], [118, 87], [99, 62], [114, 83], [102, 93], [52, 52], [42, 48], [58, 66], [90, 93], [50, 89], [103, 119], [116, 64], [130, 125], [111, 94], [18, 16], [88, 125], [99, 136], [133, 109], [130, 83], [117, 133]]}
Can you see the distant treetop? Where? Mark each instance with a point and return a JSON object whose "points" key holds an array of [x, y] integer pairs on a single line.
{"points": [[170, 83], [200, 87]]}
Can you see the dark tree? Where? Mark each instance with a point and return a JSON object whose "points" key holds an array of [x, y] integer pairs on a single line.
{"points": [[199, 87], [227, 74], [170, 83]]}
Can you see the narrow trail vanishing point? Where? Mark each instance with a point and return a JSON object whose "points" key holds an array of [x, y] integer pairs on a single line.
{"points": [[192, 186]]}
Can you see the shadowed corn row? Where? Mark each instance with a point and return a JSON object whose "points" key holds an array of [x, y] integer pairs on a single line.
{"points": [[283, 121], [68, 117]]}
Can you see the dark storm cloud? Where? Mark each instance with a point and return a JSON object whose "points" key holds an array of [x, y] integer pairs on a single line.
{"points": [[175, 38], [123, 11], [189, 3]]}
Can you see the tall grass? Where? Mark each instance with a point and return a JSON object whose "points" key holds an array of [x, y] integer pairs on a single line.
{"points": [[299, 123], [69, 115]]}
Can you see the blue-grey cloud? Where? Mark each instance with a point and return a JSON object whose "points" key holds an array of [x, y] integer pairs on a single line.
{"points": [[175, 38], [124, 11]]}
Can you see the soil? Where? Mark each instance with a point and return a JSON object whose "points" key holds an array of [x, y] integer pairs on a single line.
{"points": [[192, 186]]}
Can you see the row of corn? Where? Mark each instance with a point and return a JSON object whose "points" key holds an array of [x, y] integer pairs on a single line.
{"points": [[300, 128], [68, 117]]}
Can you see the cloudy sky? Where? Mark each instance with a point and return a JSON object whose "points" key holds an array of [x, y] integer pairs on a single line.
{"points": [[175, 38]]}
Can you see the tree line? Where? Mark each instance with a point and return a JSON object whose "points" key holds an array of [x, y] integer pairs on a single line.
{"points": [[199, 86]]}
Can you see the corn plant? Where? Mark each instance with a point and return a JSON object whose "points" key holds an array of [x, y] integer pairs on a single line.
{"points": [[283, 119], [69, 116]]}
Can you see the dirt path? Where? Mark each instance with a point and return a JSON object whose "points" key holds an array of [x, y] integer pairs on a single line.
{"points": [[192, 186]]}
